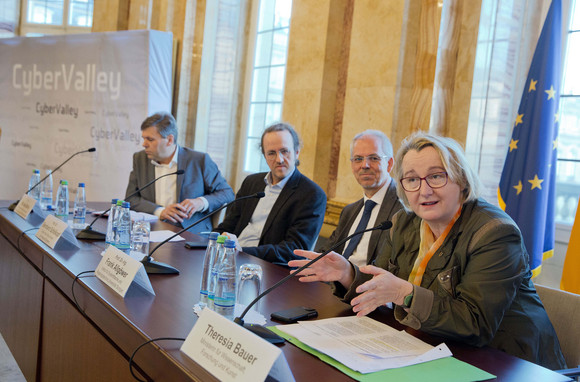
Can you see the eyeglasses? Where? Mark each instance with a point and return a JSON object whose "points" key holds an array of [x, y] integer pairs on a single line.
{"points": [[370, 159], [413, 183], [271, 155]]}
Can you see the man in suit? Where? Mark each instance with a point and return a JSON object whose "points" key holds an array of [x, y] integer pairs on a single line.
{"points": [[290, 216], [371, 157], [182, 199]]}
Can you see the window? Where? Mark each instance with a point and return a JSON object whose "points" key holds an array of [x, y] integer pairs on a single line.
{"points": [[41, 17], [268, 74], [568, 173], [8, 18]]}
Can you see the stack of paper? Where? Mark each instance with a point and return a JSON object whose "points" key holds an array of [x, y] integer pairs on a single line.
{"points": [[363, 344]]}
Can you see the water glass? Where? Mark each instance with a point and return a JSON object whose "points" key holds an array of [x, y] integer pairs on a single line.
{"points": [[140, 237], [249, 283]]}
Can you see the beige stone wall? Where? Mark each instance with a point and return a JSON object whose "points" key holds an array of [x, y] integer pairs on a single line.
{"points": [[353, 65], [372, 64]]}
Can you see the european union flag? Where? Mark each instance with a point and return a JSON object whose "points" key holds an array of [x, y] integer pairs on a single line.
{"points": [[526, 189]]}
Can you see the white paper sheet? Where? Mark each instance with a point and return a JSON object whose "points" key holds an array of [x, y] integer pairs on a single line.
{"points": [[363, 344], [158, 236], [135, 216]]}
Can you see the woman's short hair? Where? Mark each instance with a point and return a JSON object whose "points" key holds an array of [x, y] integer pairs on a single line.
{"points": [[164, 122], [453, 158]]}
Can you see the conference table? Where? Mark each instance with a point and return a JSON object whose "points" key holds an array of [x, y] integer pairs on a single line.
{"points": [[56, 334]]}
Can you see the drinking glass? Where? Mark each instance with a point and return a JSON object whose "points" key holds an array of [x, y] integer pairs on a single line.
{"points": [[140, 237], [249, 283]]}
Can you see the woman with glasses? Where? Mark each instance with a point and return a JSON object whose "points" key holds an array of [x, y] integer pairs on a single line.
{"points": [[453, 265]]}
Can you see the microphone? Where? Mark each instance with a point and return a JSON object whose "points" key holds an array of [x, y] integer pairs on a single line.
{"points": [[267, 334], [91, 150], [161, 268], [89, 234]]}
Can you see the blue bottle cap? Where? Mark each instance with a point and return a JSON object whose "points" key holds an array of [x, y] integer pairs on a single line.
{"points": [[81, 184], [213, 236], [230, 244], [114, 201], [126, 205], [36, 171]]}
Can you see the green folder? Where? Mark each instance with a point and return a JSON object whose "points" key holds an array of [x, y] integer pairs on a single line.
{"points": [[446, 369]]}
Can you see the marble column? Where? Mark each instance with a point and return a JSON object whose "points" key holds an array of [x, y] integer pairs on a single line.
{"points": [[111, 15], [454, 69]]}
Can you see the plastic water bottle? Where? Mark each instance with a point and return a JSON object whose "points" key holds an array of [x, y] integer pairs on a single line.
{"points": [[62, 201], [219, 252], [34, 179], [208, 261], [116, 212], [110, 239], [46, 192], [123, 236], [80, 209], [225, 289]]}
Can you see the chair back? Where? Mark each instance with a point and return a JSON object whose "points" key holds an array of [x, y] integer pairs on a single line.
{"points": [[563, 309]]}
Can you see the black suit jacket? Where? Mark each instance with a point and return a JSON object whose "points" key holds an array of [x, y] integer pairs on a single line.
{"points": [[389, 207], [293, 223]]}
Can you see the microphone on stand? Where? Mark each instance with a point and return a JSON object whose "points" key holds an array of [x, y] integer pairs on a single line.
{"points": [[91, 150], [152, 266], [269, 335], [89, 234]]}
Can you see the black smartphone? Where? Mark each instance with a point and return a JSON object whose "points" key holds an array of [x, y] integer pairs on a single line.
{"points": [[199, 244], [290, 316]]}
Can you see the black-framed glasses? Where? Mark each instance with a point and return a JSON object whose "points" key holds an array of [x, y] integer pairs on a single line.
{"points": [[435, 180], [370, 158]]}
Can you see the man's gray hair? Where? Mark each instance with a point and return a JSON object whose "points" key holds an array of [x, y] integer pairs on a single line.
{"points": [[164, 122], [386, 145]]}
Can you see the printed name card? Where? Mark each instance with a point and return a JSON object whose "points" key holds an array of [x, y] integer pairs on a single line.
{"points": [[51, 230], [119, 270], [24, 206], [232, 353]]}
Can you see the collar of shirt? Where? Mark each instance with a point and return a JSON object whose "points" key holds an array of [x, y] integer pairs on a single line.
{"points": [[172, 163], [280, 184], [250, 235], [379, 195]]}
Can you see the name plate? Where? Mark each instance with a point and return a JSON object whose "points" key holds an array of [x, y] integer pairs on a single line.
{"points": [[24, 206], [119, 270], [51, 230], [232, 353]]}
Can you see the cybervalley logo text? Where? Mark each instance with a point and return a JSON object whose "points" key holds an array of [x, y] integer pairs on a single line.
{"points": [[68, 77]]}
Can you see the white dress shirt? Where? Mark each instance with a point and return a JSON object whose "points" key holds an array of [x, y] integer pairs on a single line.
{"points": [[360, 255], [166, 188]]}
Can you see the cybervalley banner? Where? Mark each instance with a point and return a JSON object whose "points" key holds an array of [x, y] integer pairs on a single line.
{"points": [[64, 94]]}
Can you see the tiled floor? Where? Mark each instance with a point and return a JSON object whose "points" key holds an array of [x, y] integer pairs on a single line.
{"points": [[9, 371]]}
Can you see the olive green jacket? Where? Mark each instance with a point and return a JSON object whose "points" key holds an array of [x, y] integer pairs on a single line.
{"points": [[477, 287]]}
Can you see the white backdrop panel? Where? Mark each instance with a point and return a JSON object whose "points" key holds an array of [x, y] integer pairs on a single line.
{"points": [[64, 94]]}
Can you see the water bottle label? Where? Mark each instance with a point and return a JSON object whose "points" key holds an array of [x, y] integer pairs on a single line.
{"points": [[224, 302]]}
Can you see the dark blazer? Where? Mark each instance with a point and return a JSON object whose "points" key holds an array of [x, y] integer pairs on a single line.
{"points": [[389, 207], [293, 223], [201, 178]]}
